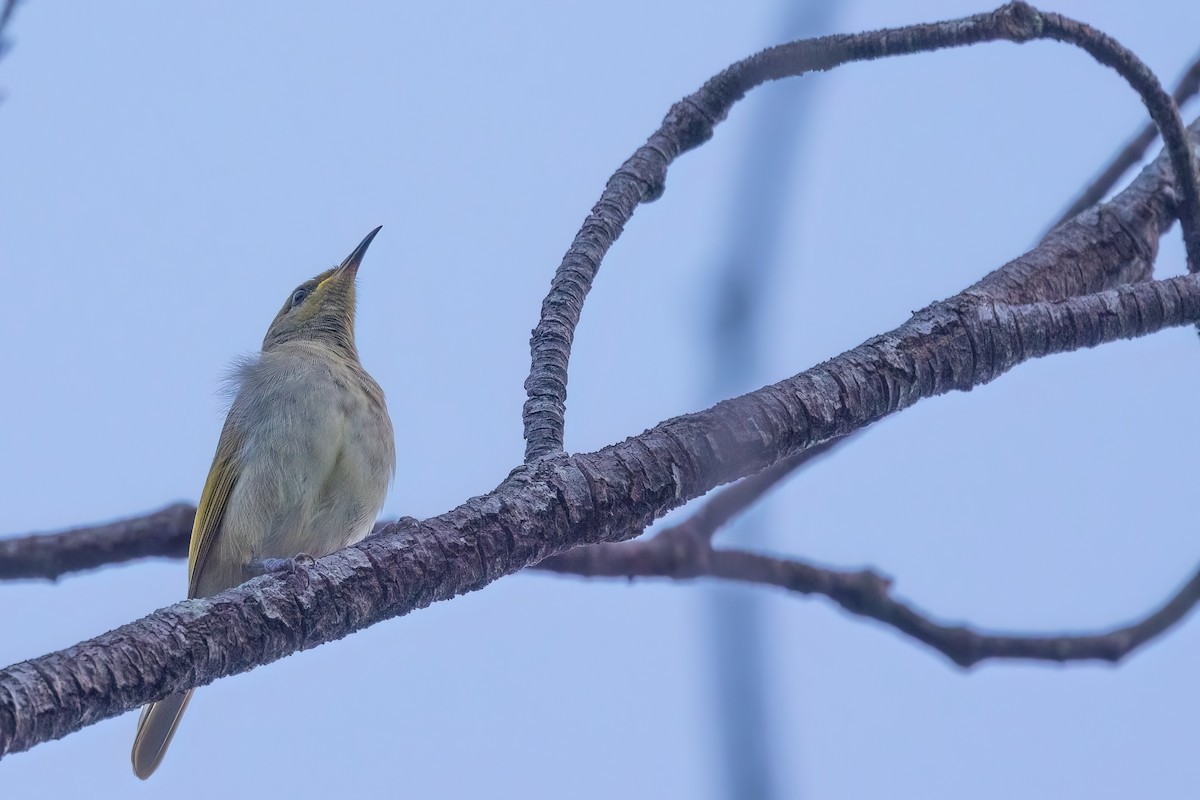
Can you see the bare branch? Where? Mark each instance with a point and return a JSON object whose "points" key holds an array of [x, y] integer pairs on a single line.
{"points": [[49, 556], [869, 595], [732, 501], [690, 123], [735, 499], [679, 554], [558, 503], [685, 552], [1162, 108], [165, 533], [1132, 153]]}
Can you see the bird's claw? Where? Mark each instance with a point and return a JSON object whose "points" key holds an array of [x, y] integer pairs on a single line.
{"points": [[296, 565]]}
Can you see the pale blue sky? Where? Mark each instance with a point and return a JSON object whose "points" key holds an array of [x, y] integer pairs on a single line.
{"points": [[171, 171]]}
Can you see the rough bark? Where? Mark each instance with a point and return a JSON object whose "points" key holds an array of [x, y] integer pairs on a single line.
{"points": [[49, 556], [557, 503]]}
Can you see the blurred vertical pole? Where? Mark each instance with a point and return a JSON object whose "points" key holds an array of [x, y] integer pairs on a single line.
{"points": [[744, 278], [7, 7]]}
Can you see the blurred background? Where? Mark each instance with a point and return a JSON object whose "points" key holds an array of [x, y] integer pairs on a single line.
{"points": [[169, 172]]}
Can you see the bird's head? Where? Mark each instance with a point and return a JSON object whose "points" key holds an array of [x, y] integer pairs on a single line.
{"points": [[322, 308]]}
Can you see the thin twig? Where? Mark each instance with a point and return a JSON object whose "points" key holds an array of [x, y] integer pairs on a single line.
{"points": [[1131, 153], [735, 499], [866, 593]]}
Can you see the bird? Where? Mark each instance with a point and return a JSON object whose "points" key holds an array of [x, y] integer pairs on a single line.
{"points": [[302, 467]]}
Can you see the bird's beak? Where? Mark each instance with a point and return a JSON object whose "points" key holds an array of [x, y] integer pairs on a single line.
{"points": [[350, 265]]}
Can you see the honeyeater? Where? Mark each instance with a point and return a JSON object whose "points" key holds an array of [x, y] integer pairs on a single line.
{"points": [[302, 465]]}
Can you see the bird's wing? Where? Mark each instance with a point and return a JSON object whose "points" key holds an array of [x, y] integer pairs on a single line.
{"points": [[213, 501]]}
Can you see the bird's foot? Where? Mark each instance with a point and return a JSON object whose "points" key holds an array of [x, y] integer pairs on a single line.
{"points": [[382, 526], [296, 565]]}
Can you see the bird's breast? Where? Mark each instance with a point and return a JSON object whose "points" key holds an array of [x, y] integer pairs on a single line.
{"points": [[316, 458]]}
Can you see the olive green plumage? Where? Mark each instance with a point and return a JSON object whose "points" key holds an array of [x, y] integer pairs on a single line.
{"points": [[302, 465]]}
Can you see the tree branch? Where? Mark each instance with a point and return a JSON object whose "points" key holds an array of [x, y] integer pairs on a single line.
{"points": [[685, 552], [1133, 152], [549, 507], [869, 595], [617, 559], [690, 123], [866, 593], [49, 556], [1109, 245]]}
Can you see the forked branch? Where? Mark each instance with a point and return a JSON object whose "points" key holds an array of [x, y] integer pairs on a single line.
{"points": [[685, 552], [690, 123]]}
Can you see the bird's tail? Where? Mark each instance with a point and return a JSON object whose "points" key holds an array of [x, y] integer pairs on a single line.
{"points": [[155, 728]]}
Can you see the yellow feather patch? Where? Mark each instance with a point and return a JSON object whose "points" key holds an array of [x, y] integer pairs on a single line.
{"points": [[213, 501]]}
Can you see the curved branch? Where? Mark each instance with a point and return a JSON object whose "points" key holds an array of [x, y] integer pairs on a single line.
{"points": [[690, 123], [1131, 153], [868, 595], [685, 552], [558, 503], [1162, 108]]}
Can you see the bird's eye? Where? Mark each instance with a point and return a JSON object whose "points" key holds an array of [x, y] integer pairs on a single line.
{"points": [[299, 295]]}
